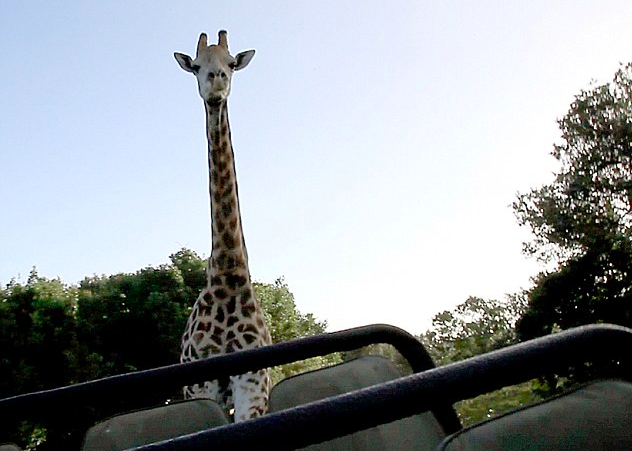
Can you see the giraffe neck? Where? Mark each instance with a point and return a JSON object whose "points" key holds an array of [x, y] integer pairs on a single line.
{"points": [[228, 253]]}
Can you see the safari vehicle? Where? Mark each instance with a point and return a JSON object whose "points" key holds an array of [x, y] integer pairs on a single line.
{"points": [[366, 404]]}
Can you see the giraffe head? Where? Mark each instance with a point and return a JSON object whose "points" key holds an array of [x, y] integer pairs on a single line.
{"points": [[213, 67]]}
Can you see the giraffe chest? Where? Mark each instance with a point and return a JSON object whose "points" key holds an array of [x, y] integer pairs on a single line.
{"points": [[226, 323]]}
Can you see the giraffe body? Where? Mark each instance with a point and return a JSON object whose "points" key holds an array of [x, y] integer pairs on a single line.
{"points": [[226, 317]]}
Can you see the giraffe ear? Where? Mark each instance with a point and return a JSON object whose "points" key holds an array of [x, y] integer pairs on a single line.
{"points": [[184, 61], [242, 59]]}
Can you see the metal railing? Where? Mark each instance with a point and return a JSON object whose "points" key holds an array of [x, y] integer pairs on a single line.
{"points": [[428, 389]]}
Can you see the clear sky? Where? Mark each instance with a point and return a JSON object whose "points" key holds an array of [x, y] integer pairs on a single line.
{"points": [[378, 144]]}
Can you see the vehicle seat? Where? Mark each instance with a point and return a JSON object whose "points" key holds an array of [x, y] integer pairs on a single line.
{"points": [[153, 425], [420, 432], [9, 447], [597, 416]]}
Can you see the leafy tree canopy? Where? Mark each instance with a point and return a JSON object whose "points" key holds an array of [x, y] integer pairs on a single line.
{"points": [[582, 220], [53, 334], [475, 327]]}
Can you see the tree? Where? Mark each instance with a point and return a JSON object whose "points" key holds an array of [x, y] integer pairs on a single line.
{"points": [[475, 327], [286, 322], [36, 333], [129, 322], [582, 220], [37, 344], [53, 334]]}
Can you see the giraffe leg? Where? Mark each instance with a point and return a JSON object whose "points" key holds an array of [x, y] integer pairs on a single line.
{"points": [[209, 390], [250, 394]]}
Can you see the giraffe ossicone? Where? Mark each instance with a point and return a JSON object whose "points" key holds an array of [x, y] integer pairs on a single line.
{"points": [[226, 316]]}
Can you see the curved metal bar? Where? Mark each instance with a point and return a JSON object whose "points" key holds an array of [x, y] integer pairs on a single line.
{"points": [[170, 378], [327, 419]]}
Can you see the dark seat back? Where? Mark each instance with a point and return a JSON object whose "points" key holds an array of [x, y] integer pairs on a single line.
{"points": [[596, 417], [420, 432], [9, 447], [152, 425]]}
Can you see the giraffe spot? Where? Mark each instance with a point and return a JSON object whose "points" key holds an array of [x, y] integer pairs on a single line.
{"points": [[213, 156], [217, 332], [244, 301], [234, 281], [246, 296], [219, 316], [250, 328], [225, 261], [230, 307], [227, 208], [250, 338], [260, 322], [248, 310], [230, 335], [224, 179], [203, 326], [228, 239], [220, 226], [208, 297], [233, 223], [231, 321], [233, 346], [250, 380], [220, 293], [217, 197], [216, 280]]}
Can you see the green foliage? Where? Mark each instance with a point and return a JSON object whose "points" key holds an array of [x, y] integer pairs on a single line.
{"points": [[497, 402], [286, 322], [52, 334], [37, 335], [37, 344], [582, 220], [384, 350], [589, 199], [475, 327], [128, 322]]}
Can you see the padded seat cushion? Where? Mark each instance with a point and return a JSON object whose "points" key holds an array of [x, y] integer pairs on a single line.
{"points": [[594, 417], [9, 447], [421, 432], [153, 425]]}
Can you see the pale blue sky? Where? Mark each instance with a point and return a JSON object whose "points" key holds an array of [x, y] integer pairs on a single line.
{"points": [[378, 144]]}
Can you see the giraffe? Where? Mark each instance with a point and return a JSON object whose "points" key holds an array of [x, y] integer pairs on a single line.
{"points": [[226, 316]]}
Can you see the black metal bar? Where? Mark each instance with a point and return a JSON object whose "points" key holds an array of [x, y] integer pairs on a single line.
{"points": [[324, 420], [169, 378]]}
